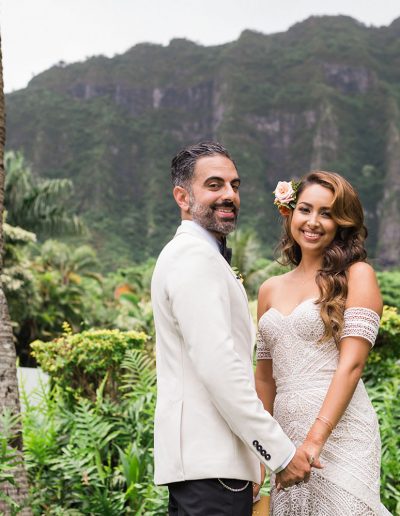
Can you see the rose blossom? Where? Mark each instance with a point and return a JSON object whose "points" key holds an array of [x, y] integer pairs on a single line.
{"points": [[284, 192]]}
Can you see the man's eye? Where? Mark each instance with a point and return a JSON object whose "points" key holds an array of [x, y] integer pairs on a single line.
{"points": [[213, 185], [235, 187]]}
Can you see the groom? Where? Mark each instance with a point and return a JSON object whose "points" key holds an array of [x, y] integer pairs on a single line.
{"points": [[211, 430]]}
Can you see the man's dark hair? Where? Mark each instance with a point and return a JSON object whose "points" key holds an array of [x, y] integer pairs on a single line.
{"points": [[182, 165]]}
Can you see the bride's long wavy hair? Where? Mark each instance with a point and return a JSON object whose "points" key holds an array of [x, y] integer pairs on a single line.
{"points": [[346, 248]]}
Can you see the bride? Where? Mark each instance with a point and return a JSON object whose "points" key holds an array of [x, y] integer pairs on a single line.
{"points": [[317, 324]]}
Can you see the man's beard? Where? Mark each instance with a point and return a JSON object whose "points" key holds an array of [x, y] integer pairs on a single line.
{"points": [[207, 218]]}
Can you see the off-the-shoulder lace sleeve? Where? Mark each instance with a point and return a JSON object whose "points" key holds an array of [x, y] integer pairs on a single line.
{"points": [[361, 322], [263, 351]]}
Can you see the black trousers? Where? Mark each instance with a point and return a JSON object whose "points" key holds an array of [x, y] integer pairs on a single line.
{"points": [[208, 497]]}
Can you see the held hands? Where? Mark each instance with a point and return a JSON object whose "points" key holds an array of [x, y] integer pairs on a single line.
{"points": [[299, 468]]}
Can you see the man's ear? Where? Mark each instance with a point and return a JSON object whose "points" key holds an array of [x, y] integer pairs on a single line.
{"points": [[181, 197]]}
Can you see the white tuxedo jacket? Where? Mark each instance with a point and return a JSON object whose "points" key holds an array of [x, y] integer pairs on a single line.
{"points": [[209, 421]]}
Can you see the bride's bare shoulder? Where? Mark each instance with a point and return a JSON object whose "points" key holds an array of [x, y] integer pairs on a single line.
{"points": [[275, 282], [268, 289]]}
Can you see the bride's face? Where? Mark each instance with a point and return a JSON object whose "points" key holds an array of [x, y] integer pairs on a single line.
{"points": [[312, 226]]}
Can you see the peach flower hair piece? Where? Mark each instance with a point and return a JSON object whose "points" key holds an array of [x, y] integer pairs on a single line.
{"points": [[285, 196]]}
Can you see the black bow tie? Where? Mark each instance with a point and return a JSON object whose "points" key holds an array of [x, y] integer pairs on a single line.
{"points": [[225, 251]]}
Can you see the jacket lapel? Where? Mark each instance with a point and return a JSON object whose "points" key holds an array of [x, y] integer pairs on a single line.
{"points": [[192, 231], [188, 229]]}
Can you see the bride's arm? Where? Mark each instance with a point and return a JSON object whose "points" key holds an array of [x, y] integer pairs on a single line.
{"points": [[265, 383], [363, 291]]}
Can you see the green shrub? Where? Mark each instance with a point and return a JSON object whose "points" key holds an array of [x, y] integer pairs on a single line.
{"points": [[382, 379], [9, 457], [385, 398], [389, 283], [78, 363], [90, 454], [389, 331]]}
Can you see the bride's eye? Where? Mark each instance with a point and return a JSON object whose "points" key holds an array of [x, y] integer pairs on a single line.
{"points": [[303, 209]]}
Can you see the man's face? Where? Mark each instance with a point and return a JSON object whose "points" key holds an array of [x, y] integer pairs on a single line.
{"points": [[214, 196]]}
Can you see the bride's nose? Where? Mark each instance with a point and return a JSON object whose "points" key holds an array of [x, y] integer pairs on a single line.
{"points": [[312, 221]]}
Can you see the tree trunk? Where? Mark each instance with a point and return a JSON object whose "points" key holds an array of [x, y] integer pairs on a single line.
{"points": [[9, 396]]}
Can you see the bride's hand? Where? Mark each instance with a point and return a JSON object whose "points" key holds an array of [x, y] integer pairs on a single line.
{"points": [[314, 442], [313, 450], [307, 452]]}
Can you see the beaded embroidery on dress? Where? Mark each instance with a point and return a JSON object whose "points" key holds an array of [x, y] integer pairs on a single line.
{"points": [[303, 368]]}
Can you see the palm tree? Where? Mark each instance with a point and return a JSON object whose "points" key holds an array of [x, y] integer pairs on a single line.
{"points": [[17, 488], [37, 204], [247, 260]]}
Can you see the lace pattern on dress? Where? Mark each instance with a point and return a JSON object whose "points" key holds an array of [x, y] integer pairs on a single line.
{"points": [[361, 322], [263, 351], [319, 498]]}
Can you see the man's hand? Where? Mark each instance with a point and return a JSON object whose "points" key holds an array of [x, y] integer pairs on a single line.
{"points": [[298, 469]]}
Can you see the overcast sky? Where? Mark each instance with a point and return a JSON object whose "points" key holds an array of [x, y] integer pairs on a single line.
{"points": [[38, 33]]}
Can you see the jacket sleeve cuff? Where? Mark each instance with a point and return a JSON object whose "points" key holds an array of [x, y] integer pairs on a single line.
{"points": [[286, 462]]}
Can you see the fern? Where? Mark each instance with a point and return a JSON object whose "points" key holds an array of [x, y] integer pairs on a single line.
{"points": [[97, 456], [139, 378]]}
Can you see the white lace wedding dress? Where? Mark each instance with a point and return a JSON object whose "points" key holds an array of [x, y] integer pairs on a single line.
{"points": [[303, 368]]}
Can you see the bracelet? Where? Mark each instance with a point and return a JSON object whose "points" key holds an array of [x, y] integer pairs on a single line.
{"points": [[326, 421]]}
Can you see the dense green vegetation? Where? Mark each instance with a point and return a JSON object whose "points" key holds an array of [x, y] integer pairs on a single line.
{"points": [[88, 442], [323, 94]]}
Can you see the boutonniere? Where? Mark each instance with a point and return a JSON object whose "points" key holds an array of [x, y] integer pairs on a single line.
{"points": [[238, 274]]}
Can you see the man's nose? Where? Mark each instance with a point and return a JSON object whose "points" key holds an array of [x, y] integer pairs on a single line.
{"points": [[228, 192]]}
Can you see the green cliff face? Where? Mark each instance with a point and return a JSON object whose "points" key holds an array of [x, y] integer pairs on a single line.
{"points": [[325, 94]]}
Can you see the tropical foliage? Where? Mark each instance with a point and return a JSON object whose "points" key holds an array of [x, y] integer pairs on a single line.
{"points": [[79, 363], [37, 204], [9, 456], [382, 379], [248, 260], [91, 453], [51, 282], [389, 283]]}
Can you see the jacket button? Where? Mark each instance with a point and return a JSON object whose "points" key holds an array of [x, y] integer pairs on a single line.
{"points": [[259, 447], [267, 456], [255, 443]]}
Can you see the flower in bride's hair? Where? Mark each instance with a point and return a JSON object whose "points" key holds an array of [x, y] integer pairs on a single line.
{"points": [[284, 192], [285, 196], [285, 212]]}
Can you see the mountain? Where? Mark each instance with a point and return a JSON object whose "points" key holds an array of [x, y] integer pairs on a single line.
{"points": [[325, 94]]}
